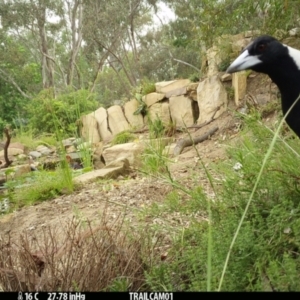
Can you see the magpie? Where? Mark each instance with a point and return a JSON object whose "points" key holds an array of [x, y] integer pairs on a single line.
{"points": [[282, 64]]}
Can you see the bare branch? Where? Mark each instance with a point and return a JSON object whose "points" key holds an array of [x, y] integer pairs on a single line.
{"points": [[5, 76]]}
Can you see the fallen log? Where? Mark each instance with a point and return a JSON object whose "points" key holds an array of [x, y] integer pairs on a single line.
{"points": [[182, 143]]}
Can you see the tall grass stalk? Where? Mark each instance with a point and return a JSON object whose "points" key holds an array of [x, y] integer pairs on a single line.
{"points": [[210, 239], [266, 157]]}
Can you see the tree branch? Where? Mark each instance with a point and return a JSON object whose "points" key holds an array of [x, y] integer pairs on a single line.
{"points": [[5, 76]]}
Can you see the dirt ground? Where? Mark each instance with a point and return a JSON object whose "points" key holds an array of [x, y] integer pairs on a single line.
{"points": [[128, 196]]}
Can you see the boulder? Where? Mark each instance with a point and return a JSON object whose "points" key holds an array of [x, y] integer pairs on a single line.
{"points": [[211, 94], [153, 98], [181, 111], [17, 145], [213, 56], [119, 162], [44, 150], [134, 120], [109, 173], [192, 90], [102, 119], [173, 86], [130, 151], [116, 119], [89, 130], [35, 154], [12, 152], [160, 111]]}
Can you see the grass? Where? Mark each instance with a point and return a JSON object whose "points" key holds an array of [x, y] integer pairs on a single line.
{"points": [[251, 230], [39, 186], [123, 137], [244, 238]]}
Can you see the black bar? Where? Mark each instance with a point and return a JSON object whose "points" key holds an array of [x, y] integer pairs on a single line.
{"points": [[138, 295]]}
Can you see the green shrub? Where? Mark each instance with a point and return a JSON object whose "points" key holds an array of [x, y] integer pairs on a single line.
{"points": [[53, 115]]}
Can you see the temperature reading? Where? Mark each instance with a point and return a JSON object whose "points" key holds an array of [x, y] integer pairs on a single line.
{"points": [[28, 296]]}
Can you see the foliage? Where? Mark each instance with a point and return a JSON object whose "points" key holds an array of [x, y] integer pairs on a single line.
{"points": [[39, 186], [265, 255], [123, 137], [194, 77], [142, 108], [61, 114], [156, 127]]}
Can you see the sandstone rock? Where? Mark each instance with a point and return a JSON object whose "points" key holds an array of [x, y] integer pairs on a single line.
{"points": [[211, 94], [98, 149], [160, 111], [16, 171], [213, 55], [68, 142], [134, 120], [120, 162], [192, 90], [70, 149], [102, 120], [130, 151], [17, 145], [192, 86], [109, 173], [116, 119], [294, 31], [169, 149], [226, 77], [239, 83], [153, 98], [75, 155], [89, 129], [21, 170], [35, 154], [177, 92], [98, 163], [44, 150], [12, 152], [181, 111], [169, 86]]}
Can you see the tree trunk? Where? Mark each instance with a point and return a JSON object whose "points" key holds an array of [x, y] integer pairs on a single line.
{"points": [[76, 31]]}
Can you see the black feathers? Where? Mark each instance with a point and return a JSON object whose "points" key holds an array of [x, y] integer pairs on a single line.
{"points": [[282, 63]]}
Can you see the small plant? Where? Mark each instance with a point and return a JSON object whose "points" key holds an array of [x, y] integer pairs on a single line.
{"points": [[142, 108], [156, 127], [123, 137], [194, 77], [147, 87]]}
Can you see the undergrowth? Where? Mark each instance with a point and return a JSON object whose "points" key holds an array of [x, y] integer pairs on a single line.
{"points": [[197, 227], [265, 255]]}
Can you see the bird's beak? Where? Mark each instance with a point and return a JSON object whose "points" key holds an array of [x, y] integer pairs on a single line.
{"points": [[243, 62]]}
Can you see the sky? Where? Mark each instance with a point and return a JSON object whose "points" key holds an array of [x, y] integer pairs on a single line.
{"points": [[165, 14]]}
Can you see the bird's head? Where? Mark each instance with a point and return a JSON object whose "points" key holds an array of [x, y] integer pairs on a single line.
{"points": [[260, 55]]}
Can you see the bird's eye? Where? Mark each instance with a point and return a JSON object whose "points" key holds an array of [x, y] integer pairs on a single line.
{"points": [[261, 47]]}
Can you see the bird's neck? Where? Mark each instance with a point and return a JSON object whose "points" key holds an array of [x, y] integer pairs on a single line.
{"points": [[290, 92]]}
